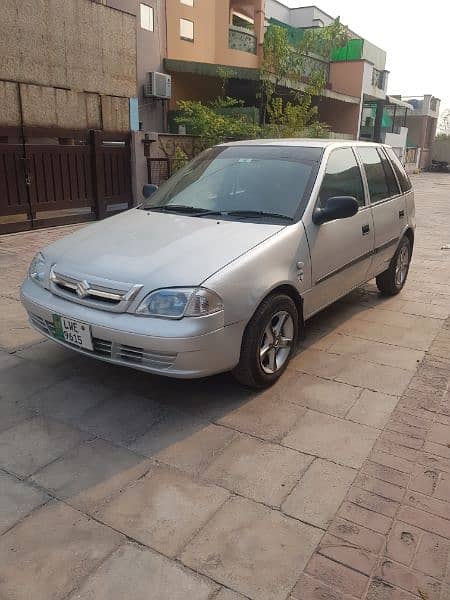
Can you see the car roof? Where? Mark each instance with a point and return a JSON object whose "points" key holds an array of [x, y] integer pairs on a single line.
{"points": [[302, 142]]}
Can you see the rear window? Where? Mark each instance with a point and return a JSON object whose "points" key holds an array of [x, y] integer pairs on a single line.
{"points": [[394, 189], [405, 182], [376, 176]]}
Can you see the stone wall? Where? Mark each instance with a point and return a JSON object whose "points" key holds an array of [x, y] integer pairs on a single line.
{"points": [[75, 63], [165, 145], [441, 150]]}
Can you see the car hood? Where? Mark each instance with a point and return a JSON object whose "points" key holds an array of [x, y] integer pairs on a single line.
{"points": [[156, 249]]}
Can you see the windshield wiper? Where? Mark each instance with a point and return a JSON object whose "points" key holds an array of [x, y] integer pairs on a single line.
{"points": [[257, 213], [188, 210], [204, 212]]}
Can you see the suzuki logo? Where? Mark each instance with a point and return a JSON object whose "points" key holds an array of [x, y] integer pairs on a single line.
{"points": [[82, 289]]}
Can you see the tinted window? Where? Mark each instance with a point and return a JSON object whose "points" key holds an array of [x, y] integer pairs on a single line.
{"points": [[376, 178], [390, 177], [253, 178], [403, 178], [342, 177]]}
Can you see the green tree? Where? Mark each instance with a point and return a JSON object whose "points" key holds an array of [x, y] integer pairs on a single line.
{"points": [[293, 66], [212, 123], [179, 160]]}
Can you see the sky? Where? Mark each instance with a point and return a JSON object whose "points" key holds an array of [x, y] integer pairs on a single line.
{"points": [[416, 37]]}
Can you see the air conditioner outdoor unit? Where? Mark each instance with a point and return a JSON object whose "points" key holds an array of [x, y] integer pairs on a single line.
{"points": [[159, 86]]}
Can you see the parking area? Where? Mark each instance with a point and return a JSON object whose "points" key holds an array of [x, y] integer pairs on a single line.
{"points": [[332, 485]]}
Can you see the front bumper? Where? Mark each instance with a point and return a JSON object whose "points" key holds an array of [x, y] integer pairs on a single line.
{"points": [[188, 348]]}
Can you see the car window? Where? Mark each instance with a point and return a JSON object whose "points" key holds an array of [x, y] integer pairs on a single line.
{"points": [[376, 177], [405, 182], [342, 177], [394, 190]]}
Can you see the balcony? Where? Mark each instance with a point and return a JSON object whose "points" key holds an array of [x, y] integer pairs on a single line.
{"points": [[424, 105], [240, 38], [313, 65]]}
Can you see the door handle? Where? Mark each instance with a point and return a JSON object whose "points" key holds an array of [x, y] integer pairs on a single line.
{"points": [[365, 229], [401, 214]]}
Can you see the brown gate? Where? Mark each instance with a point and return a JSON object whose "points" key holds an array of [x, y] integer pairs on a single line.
{"points": [[53, 177], [15, 212]]}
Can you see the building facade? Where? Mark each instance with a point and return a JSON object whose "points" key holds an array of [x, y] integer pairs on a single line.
{"points": [[422, 124], [212, 40], [356, 73], [151, 49], [204, 43]]}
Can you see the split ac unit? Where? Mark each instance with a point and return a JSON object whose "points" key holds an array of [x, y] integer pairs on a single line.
{"points": [[159, 86]]}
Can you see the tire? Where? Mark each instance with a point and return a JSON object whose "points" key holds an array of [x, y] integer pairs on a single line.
{"points": [[391, 281], [268, 342]]}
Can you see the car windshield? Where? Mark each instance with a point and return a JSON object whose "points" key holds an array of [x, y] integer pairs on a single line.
{"points": [[241, 182]]}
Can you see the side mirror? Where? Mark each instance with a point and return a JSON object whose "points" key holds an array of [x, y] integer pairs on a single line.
{"points": [[337, 207], [148, 190]]}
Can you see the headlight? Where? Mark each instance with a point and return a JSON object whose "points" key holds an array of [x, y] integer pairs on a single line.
{"points": [[175, 303], [37, 270]]}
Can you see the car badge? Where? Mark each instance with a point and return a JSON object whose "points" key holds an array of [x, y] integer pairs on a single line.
{"points": [[82, 289]]}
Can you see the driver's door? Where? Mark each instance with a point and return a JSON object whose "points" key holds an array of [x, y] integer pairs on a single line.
{"points": [[341, 250]]}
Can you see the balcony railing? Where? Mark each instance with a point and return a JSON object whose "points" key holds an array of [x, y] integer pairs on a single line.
{"points": [[241, 39], [312, 65]]}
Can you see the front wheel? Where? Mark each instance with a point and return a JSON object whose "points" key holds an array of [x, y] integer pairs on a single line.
{"points": [[268, 343], [391, 281]]}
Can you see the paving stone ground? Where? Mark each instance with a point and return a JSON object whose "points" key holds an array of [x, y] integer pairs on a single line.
{"points": [[332, 485]]}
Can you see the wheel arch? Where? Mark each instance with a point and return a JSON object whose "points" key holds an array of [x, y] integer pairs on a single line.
{"points": [[244, 371], [294, 294]]}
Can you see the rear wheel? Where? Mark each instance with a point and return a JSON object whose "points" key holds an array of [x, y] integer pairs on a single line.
{"points": [[391, 281], [268, 343]]}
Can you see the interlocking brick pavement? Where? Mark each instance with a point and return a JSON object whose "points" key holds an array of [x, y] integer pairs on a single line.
{"points": [[409, 503], [332, 485]]}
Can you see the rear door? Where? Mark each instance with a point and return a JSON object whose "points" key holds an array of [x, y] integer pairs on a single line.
{"points": [[341, 250], [387, 202], [405, 185]]}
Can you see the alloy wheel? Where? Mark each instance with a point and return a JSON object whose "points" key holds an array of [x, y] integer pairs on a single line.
{"points": [[401, 268], [276, 342]]}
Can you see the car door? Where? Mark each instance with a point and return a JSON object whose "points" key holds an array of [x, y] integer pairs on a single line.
{"points": [[341, 250], [387, 203]]}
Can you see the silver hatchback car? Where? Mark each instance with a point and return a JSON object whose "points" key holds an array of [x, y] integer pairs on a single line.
{"points": [[220, 267]]}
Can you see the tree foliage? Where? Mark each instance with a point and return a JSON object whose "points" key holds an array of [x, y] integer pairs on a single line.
{"points": [[292, 66], [179, 160], [209, 122], [293, 120]]}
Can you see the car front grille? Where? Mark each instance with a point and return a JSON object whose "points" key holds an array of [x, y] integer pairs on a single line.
{"points": [[95, 295], [102, 347], [111, 350], [43, 325], [72, 290], [140, 356]]}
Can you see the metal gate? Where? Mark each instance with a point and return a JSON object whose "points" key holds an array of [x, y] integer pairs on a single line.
{"points": [[53, 177]]}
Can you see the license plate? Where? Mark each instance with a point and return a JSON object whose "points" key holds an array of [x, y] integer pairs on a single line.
{"points": [[73, 332]]}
